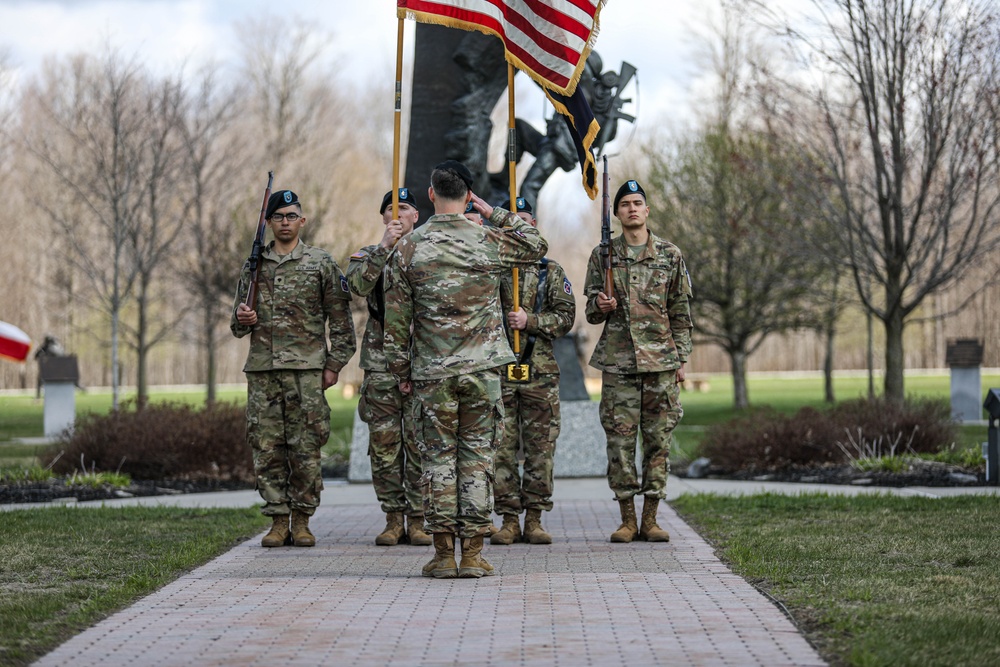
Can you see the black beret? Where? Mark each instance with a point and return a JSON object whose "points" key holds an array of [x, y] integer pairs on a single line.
{"points": [[280, 199], [405, 195], [522, 205], [460, 170], [628, 188], [469, 208]]}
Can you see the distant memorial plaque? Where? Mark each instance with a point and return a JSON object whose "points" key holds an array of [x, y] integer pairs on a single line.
{"points": [[965, 356]]}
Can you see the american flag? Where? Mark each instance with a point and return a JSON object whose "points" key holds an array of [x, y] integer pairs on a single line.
{"points": [[547, 39]]}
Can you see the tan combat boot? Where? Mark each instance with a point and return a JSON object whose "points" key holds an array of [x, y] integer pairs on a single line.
{"points": [[629, 528], [533, 531], [649, 530], [473, 564], [301, 535], [415, 531], [509, 533], [443, 565], [393, 530], [278, 536]]}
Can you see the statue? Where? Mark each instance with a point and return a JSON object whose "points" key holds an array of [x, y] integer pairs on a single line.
{"points": [[603, 91], [458, 78]]}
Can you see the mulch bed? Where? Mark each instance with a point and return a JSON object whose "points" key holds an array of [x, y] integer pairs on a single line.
{"points": [[59, 488], [55, 489], [920, 473]]}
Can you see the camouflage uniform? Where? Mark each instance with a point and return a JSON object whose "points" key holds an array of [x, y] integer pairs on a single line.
{"points": [[644, 341], [532, 408], [443, 281], [387, 411], [288, 419]]}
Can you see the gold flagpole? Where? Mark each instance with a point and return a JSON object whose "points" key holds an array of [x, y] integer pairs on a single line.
{"points": [[512, 178], [396, 120]]}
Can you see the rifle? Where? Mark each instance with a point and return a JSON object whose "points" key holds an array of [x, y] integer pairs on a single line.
{"points": [[258, 245], [609, 285]]}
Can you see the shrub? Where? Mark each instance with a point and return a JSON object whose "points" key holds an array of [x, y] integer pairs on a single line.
{"points": [[161, 441], [764, 440]]}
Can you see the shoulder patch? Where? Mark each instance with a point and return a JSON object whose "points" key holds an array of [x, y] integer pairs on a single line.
{"points": [[567, 287], [361, 254], [343, 283]]}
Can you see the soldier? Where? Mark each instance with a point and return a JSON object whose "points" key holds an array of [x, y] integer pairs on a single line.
{"points": [[642, 351], [289, 366], [387, 411], [531, 395], [444, 282]]}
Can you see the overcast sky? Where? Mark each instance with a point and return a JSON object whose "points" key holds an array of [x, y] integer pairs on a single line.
{"points": [[653, 35]]}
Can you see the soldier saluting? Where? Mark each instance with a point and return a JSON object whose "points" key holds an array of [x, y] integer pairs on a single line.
{"points": [[443, 281]]}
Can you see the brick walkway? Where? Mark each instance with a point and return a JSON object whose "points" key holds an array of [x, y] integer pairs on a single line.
{"points": [[580, 601]]}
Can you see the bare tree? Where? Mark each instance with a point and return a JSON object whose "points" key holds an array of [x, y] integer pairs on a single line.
{"points": [[87, 129], [215, 239], [716, 200], [723, 196], [280, 60], [908, 97], [151, 240]]}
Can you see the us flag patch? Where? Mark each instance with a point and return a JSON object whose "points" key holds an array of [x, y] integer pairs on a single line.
{"points": [[567, 287], [361, 254]]}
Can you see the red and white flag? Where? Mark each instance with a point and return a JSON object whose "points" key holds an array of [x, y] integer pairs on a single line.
{"points": [[547, 39], [14, 343]]}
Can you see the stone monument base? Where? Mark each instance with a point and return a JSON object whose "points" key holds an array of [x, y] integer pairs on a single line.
{"points": [[581, 450]]}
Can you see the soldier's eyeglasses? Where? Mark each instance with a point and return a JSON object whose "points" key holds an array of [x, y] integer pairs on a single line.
{"points": [[290, 217]]}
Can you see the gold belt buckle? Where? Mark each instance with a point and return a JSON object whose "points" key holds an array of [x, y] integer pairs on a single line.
{"points": [[518, 372]]}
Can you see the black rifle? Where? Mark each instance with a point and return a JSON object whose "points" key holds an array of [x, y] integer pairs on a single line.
{"points": [[606, 233], [258, 245]]}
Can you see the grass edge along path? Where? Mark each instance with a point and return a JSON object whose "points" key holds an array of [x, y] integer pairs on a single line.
{"points": [[64, 569], [872, 579]]}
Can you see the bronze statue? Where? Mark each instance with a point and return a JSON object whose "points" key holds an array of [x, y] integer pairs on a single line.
{"points": [[458, 78]]}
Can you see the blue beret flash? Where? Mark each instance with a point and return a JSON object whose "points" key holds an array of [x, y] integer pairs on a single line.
{"points": [[403, 193], [633, 186], [288, 197]]}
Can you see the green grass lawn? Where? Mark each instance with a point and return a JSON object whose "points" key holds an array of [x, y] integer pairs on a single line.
{"points": [[871, 580], [64, 569]]}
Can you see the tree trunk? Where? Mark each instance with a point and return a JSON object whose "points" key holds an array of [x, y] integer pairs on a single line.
{"points": [[142, 349], [870, 355], [738, 359], [828, 395], [209, 333], [894, 356]]}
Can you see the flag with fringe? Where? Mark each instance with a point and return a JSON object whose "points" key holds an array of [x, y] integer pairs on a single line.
{"points": [[549, 40]]}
